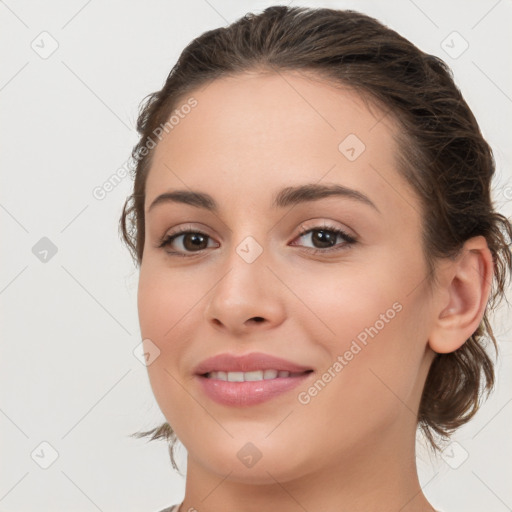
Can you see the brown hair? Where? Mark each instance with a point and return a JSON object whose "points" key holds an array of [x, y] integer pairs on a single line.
{"points": [[442, 154]]}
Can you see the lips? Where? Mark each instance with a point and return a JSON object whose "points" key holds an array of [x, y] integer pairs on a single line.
{"points": [[255, 361], [250, 379]]}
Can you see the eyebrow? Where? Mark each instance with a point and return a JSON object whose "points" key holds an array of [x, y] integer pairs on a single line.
{"points": [[286, 197]]}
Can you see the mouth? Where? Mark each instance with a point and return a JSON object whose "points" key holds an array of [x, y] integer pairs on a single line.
{"points": [[250, 379]]}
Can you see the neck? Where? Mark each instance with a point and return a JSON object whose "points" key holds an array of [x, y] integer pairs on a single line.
{"points": [[377, 477]]}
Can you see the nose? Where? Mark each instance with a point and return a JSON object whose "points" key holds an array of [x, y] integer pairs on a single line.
{"points": [[247, 297]]}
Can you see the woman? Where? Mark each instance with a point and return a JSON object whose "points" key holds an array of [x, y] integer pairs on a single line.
{"points": [[318, 256]]}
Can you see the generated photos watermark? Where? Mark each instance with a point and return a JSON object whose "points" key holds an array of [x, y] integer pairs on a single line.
{"points": [[101, 191], [357, 345]]}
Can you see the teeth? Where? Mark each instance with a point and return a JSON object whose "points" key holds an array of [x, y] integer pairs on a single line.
{"points": [[271, 374], [250, 376], [255, 375]]}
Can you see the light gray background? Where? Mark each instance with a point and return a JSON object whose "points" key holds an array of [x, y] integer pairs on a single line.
{"points": [[68, 373]]}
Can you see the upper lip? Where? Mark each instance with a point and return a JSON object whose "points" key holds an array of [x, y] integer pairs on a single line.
{"points": [[247, 363]]}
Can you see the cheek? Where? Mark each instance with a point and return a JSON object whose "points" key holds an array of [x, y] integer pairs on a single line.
{"points": [[164, 298], [164, 301], [170, 304], [349, 302], [376, 297], [372, 330]]}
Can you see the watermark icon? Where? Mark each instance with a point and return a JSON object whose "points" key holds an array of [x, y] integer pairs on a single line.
{"points": [[146, 352], [44, 250], [455, 455], [507, 192], [304, 397], [45, 45], [248, 249], [44, 455], [249, 455], [101, 191], [351, 147], [454, 45]]}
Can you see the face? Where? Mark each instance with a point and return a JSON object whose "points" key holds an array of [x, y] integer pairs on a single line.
{"points": [[334, 283]]}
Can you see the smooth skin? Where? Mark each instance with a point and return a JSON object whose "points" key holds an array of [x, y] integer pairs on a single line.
{"points": [[352, 447]]}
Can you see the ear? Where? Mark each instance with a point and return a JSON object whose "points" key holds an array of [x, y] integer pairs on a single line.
{"points": [[463, 295]]}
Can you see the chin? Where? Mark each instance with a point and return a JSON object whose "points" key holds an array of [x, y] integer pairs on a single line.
{"points": [[255, 464]]}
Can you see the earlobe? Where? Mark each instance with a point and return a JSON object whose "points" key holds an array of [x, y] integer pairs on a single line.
{"points": [[465, 295]]}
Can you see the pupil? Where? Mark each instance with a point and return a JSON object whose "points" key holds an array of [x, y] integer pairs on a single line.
{"points": [[197, 240], [326, 236]]}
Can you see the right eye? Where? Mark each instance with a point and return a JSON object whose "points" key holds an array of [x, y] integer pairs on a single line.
{"points": [[194, 244]]}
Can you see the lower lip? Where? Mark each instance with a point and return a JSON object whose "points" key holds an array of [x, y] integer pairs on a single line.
{"points": [[241, 394]]}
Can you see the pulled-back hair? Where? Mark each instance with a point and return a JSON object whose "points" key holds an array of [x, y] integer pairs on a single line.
{"points": [[441, 153]]}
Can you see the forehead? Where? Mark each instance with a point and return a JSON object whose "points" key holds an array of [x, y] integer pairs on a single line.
{"points": [[252, 134]]}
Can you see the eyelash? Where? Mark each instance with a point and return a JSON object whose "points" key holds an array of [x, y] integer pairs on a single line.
{"points": [[348, 240]]}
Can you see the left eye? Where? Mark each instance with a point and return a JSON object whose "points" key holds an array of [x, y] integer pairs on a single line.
{"points": [[326, 236]]}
